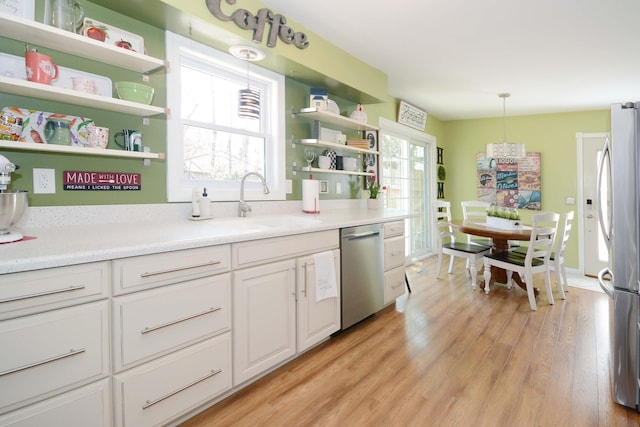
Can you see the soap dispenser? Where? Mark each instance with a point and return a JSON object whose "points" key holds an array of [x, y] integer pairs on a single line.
{"points": [[205, 205]]}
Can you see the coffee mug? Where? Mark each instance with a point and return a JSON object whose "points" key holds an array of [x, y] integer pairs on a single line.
{"points": [[132, 139], [40, 68], [98, 137]]}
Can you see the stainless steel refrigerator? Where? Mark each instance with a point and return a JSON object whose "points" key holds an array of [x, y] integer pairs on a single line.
{"points": [[619, 209]]}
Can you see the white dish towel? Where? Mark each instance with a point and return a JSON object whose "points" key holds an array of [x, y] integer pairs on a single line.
{"points": [[326, 285]]}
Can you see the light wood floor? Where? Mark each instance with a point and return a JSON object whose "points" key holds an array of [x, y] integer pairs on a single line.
{"points": [[446, 355]]}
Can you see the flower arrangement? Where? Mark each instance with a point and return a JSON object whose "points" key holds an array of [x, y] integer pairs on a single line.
{"points": [[374, 188]]}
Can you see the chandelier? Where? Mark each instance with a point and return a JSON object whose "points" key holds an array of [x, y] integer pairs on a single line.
{"points": [[505, 149]]}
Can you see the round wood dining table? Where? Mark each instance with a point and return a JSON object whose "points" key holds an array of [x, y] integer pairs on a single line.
{"points": [[499, 243]]}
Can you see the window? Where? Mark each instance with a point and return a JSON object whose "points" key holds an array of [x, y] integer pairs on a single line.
{"points": [[406, 158], [208, 144]]}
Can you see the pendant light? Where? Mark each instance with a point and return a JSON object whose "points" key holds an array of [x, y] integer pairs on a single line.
{"points": [[248, 99], [505, 149]]}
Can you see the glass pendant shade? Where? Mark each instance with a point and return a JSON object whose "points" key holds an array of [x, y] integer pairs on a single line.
{"points": [[249, 104]]}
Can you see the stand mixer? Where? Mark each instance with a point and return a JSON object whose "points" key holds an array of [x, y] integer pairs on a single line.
{"points": [[12, 203]]}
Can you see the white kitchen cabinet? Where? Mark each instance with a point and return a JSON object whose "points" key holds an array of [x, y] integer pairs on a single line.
{"points": [[41, 290], [316, 320], [264, 318], [85, 406], [152, 323], [157, 392], [150, 271], [49, 353], [394, 260]]}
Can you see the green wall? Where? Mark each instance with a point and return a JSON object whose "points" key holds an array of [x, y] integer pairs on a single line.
{"points": [[552, 135], [349, 81]]}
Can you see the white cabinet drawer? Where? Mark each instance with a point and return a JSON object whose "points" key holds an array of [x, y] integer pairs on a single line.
{"points": [[257, 252], [49, 353], [82, 407], [41, 290], [392, 229], [151, 323], [164, 389], [393, 284], [147, 271], [393, 252]]}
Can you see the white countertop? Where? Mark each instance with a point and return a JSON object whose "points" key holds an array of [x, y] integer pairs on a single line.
{"points": [[60, 245]]}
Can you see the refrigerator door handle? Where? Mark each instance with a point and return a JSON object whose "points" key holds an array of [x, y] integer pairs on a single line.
{"points": [[606, 286], [604, 157]]}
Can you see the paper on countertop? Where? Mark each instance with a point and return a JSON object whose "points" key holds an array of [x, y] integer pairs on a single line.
{"points": [[326, 284]]}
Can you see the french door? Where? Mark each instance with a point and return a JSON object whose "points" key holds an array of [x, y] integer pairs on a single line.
{"points": [[406, 170]]}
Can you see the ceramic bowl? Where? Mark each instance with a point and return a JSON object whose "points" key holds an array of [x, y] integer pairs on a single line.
{"points": [[349, 164], [135, 92]]}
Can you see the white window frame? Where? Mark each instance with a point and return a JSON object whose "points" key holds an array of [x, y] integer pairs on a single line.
{"points": [[180, 190]]}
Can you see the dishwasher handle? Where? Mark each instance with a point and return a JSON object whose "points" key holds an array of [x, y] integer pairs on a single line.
{"points": [[357, 236]]}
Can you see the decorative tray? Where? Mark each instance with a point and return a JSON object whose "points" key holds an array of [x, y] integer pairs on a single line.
{"points": [[33, 123], [13, 66]]}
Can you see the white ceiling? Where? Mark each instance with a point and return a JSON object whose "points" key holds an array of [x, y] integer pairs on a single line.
{"points": [[453, 57]]}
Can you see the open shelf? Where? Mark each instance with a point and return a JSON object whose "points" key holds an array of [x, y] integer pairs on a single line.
{"points": [[333, 145], [53, 93], [334, 171], [67, 149], [39, 34], [334, 119]]}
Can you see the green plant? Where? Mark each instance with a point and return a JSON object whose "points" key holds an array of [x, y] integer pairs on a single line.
{"points": [[374, 188], [505, 213]]}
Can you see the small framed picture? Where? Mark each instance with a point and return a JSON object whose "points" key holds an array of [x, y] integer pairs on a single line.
{"points": [[22, 8], [370, 159]]}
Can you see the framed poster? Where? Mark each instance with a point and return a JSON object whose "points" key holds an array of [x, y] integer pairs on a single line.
{"points": [[509, 182]]}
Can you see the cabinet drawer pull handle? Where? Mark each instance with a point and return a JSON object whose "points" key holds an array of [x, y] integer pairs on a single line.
{"points": [[173, 270], [166, 396], [72, 352], [173, 322], [44, 293]]}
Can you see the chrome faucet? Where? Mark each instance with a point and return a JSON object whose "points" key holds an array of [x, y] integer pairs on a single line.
{"points": [[243, 207]]}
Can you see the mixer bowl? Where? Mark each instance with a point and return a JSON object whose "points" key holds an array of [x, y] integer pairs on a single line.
{"points": [[12, 205]]}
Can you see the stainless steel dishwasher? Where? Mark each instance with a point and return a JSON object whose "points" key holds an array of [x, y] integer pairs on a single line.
{"points": [[362, 276]]}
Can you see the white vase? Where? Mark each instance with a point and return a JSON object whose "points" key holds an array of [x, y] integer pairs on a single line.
{"points": [[373, 204]]}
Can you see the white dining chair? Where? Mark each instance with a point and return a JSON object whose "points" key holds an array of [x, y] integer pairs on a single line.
{"points": [[557, 256], [475, 210], [448, 245], [536, 260]]}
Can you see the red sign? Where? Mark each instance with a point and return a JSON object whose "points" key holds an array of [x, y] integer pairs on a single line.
{"points": [[100, 181]]}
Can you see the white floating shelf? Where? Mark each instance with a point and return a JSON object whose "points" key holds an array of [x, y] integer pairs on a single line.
{"points": [[39, 34], [67, 149], [333, 171], [336, 146], [334, 119], [53, 93]]}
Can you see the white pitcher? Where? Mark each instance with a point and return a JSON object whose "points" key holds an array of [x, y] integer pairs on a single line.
{"points": [[64, 14]]}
